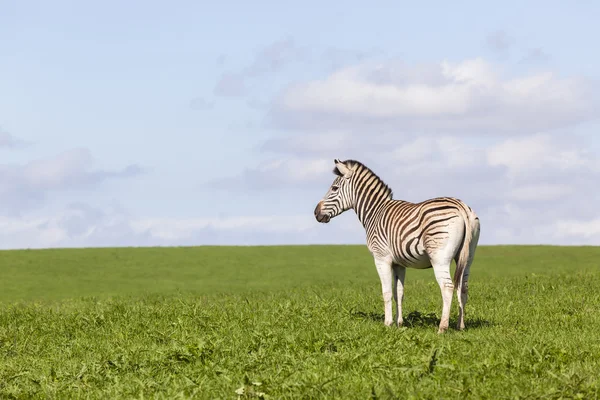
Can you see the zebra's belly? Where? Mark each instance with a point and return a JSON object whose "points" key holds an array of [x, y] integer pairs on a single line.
{"points": [[419, 261]]}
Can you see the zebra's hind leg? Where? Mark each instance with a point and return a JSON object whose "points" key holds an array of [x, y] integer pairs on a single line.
{"points": [[441, 268], [462, 291], [399, 274], [384, 269], [462, 295]]}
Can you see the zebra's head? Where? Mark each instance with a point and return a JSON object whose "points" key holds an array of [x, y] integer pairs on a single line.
{"points": [[339, 197]]}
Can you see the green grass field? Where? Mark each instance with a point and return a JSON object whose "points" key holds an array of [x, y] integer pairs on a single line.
{"points": [[293, 322]]}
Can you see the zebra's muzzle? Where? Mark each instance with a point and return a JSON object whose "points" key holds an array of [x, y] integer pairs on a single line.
{"points": [[323, 218]]}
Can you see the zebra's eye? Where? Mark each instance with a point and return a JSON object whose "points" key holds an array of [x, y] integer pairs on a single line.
{"points": [[334, 188]]}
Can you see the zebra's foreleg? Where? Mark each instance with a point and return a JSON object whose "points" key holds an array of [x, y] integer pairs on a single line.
{"points": [[384, 269], [441, 268], [399, 274]]}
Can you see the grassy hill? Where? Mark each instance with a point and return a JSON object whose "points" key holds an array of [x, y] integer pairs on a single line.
{"points": [[292, 322]]}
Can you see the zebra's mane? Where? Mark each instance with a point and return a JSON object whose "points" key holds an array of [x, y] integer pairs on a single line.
{"points": [[355, 165]]}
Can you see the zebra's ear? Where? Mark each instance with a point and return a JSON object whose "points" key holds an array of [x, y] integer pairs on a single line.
{"points": [[343, 169]]}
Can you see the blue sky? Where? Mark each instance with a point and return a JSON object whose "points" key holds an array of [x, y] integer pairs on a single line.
{"points": [[184, 123]]}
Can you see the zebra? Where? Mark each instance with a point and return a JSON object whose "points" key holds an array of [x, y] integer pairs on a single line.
{"points": [[401, 235]]}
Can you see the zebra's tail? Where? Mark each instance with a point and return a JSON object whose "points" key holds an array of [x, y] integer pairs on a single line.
{"points": [[470, 241]]}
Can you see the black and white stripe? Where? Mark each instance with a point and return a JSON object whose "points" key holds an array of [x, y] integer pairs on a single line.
{"points": [[402, 234]]}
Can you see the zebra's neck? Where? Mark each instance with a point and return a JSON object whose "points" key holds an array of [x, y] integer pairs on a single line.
{"points": [[370, 193]]}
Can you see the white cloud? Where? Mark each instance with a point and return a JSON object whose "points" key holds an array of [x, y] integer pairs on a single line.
{"points": [[520, 187], [528, 169], [528, 156], [472, 96], [81, 225], [62, 170], [279, 173], [554, 231], [510, 223], [78, 225], [173, 229], [540, 192], [8, 140], [269, 60], [450, 151], [25, 185], [589, 229]]}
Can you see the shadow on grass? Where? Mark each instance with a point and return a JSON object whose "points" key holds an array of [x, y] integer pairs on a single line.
{"points": [[418, 319]]}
